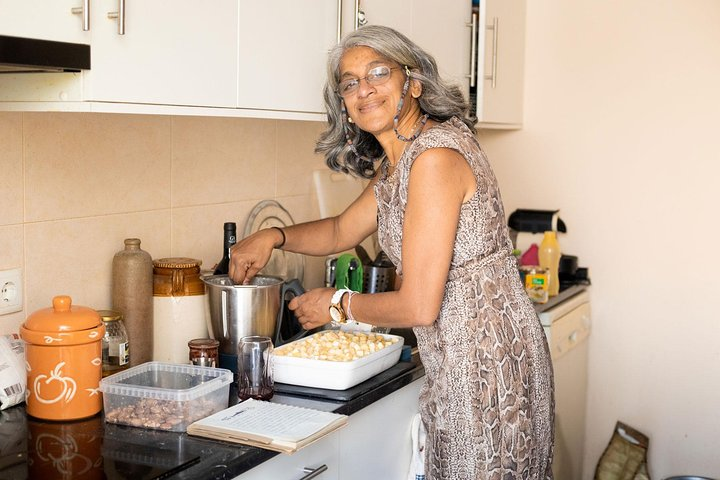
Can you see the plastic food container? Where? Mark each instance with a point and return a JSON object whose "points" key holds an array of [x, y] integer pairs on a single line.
{"points": [[164, 396], [334, 375]]}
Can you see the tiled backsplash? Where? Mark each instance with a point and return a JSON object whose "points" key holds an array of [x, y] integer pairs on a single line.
{"points": [[73, 186]]}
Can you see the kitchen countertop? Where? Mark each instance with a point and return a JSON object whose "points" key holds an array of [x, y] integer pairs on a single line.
{"points": [[91, 448]]}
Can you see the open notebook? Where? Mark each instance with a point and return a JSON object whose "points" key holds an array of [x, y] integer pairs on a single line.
{"points": [[273, 426]]}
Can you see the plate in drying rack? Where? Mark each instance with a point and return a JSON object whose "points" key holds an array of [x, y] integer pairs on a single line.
{"points": [[286, 265]]}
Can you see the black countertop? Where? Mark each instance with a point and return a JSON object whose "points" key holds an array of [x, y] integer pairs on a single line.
{"points": [[92, 449]]}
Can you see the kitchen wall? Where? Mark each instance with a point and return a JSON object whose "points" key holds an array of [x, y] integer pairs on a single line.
{"points": [[75, 185], [622, 114]]}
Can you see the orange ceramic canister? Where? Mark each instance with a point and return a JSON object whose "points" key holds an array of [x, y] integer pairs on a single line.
{"points": [[64, 361]]}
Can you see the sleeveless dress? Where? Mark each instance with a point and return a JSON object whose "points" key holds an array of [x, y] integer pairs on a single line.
{"points": [[487, 403]]}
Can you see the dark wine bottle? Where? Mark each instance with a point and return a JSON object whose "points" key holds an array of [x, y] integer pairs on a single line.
{"points": [[228, 241]]}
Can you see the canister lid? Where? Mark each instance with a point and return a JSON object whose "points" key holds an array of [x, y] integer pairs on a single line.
{"points": [[177, 262], [63, 316]]}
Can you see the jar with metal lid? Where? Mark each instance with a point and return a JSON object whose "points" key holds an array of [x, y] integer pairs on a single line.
{"points": [[204, 352], [115, 344]]}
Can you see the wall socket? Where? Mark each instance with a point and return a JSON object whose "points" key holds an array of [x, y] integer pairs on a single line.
{"points": [[11, 291]]}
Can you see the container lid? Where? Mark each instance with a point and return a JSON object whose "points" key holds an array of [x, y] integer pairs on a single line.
{"points": [[110, 315], [178, 262], [203, 343], [63, 317]]}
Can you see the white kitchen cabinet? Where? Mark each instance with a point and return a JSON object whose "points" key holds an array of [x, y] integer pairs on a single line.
{"points": [[171, 53], [301, 463], [376, 443], [283, 53], [43, 20], [500, 63], [440, 27], [486, 40]]}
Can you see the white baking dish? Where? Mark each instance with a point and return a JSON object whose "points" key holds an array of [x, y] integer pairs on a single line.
{"points": [[335, 375]]}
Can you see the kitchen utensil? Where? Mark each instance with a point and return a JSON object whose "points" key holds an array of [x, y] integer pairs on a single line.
{"points": [[283, 264], [64, 361], [179, 307], [363, 255], [238, 311], [349, 273], [379, 276], [255, 373]]}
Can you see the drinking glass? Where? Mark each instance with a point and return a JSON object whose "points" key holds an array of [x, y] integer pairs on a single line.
{"points": [[255, 375]]}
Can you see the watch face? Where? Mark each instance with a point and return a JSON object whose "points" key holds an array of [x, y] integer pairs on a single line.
{"points": [[336, 314]]}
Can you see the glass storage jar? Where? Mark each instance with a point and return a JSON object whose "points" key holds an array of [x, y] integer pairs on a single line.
{"points": [[115, 344]]}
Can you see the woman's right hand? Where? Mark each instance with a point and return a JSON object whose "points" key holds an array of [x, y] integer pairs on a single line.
{"points": [[251, 254]]}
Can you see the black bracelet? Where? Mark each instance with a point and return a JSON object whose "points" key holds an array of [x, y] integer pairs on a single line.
{"points": [[283, 235]]}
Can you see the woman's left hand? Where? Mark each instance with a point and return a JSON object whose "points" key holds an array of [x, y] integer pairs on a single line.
{"points": [[312, 309]]}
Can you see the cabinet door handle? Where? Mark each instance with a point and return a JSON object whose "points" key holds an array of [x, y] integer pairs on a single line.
{"points": [[473, 47], [313, 472], [85, 12], [360, 19], [339, 20], [493, 75], [120, 15]]}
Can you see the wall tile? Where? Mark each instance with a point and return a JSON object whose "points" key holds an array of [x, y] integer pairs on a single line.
{"points": [[11, 166], [74, 257], [198, 231], [80, 165], [220, 160], [296, 158], [11, 256]]}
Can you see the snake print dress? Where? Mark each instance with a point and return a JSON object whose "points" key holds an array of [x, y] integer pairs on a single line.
{"points": [[487, 403]]}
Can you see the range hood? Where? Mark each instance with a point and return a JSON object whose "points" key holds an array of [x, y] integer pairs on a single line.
{"points": [[28, 55]]}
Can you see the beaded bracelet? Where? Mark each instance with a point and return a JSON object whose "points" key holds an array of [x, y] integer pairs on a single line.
{"points": [[283, 236], [348, 312]]}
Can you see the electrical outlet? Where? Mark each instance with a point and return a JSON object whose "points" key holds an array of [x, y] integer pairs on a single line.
{"points": [[10, 291]]}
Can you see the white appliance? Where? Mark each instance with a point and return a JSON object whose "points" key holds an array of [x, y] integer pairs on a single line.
{"points": [[567, 327]]}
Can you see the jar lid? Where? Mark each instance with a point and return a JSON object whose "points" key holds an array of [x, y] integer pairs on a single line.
{"points": [[63, 316], [110, 315], [178, 262], [203, 343]]}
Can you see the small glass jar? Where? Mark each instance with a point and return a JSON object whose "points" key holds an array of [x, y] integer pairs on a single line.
{"points": [[115, 344], [204, 352]]}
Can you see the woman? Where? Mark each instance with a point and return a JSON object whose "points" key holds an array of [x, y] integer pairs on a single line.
{"points": [[487, 402]]}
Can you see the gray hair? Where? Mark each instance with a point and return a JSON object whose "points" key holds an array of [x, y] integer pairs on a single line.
{"points": [[439, 99]]}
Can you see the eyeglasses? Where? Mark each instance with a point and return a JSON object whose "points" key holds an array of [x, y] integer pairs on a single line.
{"points": [[376, 76]]}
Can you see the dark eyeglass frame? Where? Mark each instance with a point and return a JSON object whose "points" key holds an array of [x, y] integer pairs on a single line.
{"points": [[369, 78]]}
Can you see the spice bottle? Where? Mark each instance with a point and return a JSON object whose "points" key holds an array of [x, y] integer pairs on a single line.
{"points": [[132, 296], [115, 345], [549, 257]]}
